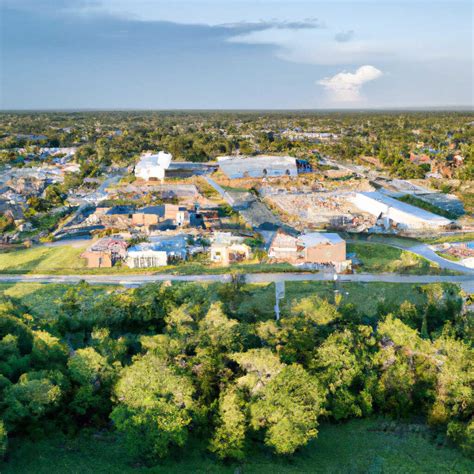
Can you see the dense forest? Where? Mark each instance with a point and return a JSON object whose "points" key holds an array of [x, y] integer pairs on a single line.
{"points": [[106, 138], [164, 364]]}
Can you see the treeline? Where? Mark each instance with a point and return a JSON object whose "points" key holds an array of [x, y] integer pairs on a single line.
{"points": [[107, 138], [162, 364]]}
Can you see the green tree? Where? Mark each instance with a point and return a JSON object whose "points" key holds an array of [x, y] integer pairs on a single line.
{"points": [[228, 440], [288, 409], [154, 405]]}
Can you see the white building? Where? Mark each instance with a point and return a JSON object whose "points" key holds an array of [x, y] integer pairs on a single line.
{"points": [[158, 252], [261, 166], [153, 166], [405, 215]]}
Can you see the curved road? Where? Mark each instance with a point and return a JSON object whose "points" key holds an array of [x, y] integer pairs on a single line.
{"points": [[418, 248]]}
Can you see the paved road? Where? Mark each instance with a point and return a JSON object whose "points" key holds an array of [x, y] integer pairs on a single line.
{"points": [[419, 248], [466, 281]]}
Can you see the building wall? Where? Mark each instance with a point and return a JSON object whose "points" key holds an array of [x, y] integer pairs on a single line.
{"points": [[325, 253], [147, 259], [98, 259], [144, 219]]}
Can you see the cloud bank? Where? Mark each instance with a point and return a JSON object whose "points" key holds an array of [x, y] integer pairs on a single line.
{"points": [[345, 86]]}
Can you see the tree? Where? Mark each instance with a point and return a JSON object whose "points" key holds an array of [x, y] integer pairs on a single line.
{"points": [[229, 436], [153, 408], [3, 440], [288, 409], [261, 365], [34, 395], [407, 370], [343, 364]]}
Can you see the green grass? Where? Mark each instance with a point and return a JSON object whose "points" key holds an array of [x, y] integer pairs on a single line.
{"points": [[379, 258], [448, 256], [417, 202], [461, 237], [42, 260], [359, 446], [42, 300], [66, 260]]}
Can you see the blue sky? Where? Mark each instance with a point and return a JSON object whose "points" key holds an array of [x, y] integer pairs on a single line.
{"points": [[272, 54]]}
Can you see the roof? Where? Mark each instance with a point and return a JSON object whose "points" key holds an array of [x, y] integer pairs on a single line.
{"points": [[120, 210], [315, 238], [156, 210], [406, 208], [174, 245]]}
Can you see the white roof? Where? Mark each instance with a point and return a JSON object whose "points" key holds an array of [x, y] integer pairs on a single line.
{"points": [[315, 238], [404, 207]]}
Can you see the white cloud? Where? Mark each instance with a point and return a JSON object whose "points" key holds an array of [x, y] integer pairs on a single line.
{"points": [[345, 86]]}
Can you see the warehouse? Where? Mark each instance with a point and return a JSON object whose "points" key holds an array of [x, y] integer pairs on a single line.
{"points": [[403, 215], [152, 167], [262, 166]]}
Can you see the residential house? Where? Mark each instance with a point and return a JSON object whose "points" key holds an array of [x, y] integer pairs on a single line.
{"points": [[309, 248], [105, 253], [158, 252], [227, 248]]}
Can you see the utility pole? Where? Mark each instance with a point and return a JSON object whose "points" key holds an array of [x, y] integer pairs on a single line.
{"points": [[279, 294]]}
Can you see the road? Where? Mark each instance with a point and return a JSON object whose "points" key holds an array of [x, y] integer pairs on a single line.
{"points": [[419, 248], [466, 281]]}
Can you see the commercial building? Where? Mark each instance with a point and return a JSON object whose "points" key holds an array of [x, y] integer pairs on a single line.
{"points": [[153, 166], [397, 212], [261, 166]]}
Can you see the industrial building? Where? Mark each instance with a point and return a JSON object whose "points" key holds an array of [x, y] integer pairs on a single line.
{"points": [[153, 166], [391, 210], [262, 166]]}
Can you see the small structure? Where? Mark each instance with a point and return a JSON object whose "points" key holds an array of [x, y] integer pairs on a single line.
{"points": [[164, 216], [227, 248], [106, 252], [153, 166], [310, 248], [118, 217], [158, 252], [404, 215], [261, 166]]}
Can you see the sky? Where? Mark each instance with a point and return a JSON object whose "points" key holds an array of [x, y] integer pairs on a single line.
{"points": [[235, 54]]}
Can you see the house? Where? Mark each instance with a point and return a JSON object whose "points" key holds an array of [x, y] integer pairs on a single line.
{"points": [[153, 166], [309, 248], [148, 216], [118, 217], [227, 248], [261, 166], [158, 252], [167, 216], [105, 253]]}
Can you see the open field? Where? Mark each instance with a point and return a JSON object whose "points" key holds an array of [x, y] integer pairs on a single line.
{"points": [[41, 301], [376, 258], [359, 446]]}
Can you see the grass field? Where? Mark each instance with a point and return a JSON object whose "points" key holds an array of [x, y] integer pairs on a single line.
{"points": [[42, 300], [377, 258], [359, 446], [65, 260]]}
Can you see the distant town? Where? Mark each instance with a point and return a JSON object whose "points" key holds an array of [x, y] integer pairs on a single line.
{"points": [[287, 190]]}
